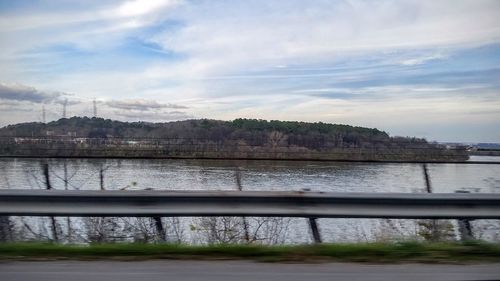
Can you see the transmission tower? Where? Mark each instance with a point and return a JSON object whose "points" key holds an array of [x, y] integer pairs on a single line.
{"points": [[43, 113], [65, 103], [95, 108]]}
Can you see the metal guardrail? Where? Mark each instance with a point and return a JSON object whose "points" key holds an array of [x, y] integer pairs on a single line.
{"points": [[248, 203]]}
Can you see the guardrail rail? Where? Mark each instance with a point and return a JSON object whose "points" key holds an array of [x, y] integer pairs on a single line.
{"points": [[248, 203]]}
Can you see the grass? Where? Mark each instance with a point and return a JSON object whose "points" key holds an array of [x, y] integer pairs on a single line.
{"points": [[360, 252]]}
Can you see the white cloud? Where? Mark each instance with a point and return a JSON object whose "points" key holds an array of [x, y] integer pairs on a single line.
{"points": [[422, 59], [141, 7], [152, 116], [141, 105], [235, 39], [91, 27]]}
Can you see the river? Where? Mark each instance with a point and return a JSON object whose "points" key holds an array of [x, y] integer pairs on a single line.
{"points": [[164, 174]]}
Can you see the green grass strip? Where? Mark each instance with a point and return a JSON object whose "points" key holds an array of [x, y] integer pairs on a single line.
{"points": [[361, 252]]}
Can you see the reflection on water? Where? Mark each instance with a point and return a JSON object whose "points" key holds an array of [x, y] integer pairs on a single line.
{"points": [[163, 174]]}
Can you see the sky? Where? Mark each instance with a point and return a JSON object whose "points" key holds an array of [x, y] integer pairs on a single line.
{"points": [[411, 68]]}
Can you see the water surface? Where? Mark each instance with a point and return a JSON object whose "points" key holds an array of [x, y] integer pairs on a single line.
{"points": [[165, 174]]}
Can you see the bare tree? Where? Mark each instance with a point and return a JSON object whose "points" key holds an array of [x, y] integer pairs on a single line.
{"points": [[243, 219], [48, 186], [433, 230], [276, 138]]}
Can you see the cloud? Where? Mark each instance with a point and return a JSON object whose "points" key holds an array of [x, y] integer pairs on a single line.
{"points": [[89, 26], [139, 7], [20, 92], [141, 105], [417, 92], [422, 59], [145, 109], [226, 40], [333, 61], [15, 106], [154, 116]]}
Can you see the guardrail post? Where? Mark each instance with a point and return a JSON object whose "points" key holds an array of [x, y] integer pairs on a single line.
{"points": [[433, 225], [48, 186], [5, 229], [315, 230], [160, 229], [464, 226], [162, 234], [313, 224], [244, 219]]}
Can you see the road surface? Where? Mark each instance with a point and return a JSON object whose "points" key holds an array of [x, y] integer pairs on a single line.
{"points": [[238, 271]]}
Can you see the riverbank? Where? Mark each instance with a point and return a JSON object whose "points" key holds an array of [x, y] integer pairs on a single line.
{"points": [[247, 139], [485, 153], [67, 149], [472, 251]]}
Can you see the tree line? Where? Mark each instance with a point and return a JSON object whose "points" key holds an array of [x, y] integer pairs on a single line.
{"points": [[238, 135]]}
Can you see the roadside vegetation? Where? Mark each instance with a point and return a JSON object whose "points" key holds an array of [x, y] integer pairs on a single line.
{"points": [[471, 251]]}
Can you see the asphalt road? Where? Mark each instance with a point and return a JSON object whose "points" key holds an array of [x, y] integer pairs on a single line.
{"points": [[238, 271]]}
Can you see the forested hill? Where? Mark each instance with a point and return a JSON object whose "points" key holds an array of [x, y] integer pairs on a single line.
{"points": [[240, 138], [251, 130]]}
